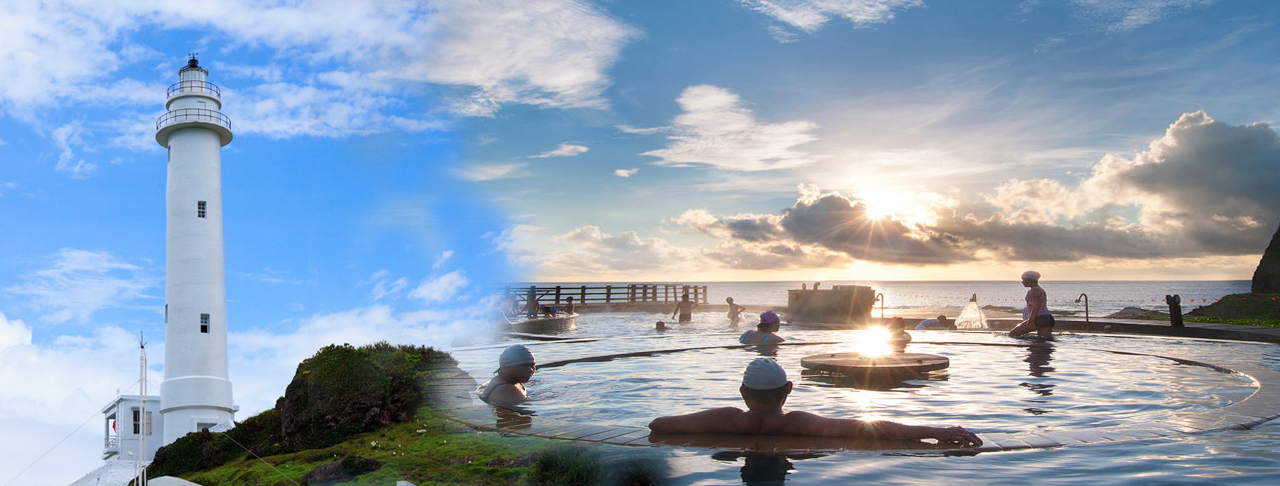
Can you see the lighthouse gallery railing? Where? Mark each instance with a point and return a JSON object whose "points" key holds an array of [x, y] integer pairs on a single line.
{"points": [[194, 87], [183, 115]]}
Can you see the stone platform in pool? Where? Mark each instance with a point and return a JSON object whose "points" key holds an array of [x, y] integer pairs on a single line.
{"points": [[1261, 406]]}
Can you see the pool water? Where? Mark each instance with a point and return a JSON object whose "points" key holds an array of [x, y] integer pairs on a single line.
{"points": [[995, 384]]}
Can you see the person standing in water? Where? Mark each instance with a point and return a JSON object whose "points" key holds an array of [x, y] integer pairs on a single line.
{"points": [[734, 311], [685, 309], [1036, 316], [515, 368]]}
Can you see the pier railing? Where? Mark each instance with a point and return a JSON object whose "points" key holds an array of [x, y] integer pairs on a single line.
{"points": [[555, 295]]}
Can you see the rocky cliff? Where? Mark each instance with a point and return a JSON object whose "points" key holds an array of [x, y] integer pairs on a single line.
{"points": [[1266, 279]]}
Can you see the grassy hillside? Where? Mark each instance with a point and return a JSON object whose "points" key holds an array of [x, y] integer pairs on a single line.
{"points": [[366, 416], [1244, 309]]}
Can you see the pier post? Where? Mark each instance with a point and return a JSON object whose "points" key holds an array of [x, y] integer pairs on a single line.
{"points": [[1175, 309], [608, 293], [557, 295]]}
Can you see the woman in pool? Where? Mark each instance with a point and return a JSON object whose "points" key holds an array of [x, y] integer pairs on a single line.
{"points": [[765, 389], [1036, 316], [515, 368], [764, 333], [734, 311]]}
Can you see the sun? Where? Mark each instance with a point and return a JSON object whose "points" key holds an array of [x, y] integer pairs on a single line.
{"points": [[878, 206]]}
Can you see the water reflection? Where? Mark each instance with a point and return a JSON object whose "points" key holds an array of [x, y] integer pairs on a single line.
{"points": [[763, 468], [767, 350], [512, 419], [873, 382], [1038, 356]]}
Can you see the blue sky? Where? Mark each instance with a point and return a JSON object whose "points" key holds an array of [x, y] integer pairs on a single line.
{"points": [[394, 160]]}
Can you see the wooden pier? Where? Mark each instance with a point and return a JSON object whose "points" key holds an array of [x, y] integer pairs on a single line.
{"points": [[609, 294]]}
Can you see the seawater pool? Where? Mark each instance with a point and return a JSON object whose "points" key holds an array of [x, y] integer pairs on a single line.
{"points": [[995, 385]]}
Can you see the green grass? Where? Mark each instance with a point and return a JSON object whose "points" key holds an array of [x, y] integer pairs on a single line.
{"points": [[429, 450], [1239, 321]]}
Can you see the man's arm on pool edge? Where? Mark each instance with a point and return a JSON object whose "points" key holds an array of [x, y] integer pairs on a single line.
{"points": [[804, 423], [716, 420]]}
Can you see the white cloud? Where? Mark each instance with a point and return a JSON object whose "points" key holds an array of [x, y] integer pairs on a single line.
{"points": [[564, 150], [517, 243], [639, 131], [442, 288], [383, 286], [1204, 187], [1127, 15], [282, 110], [66, 137], [550, 53], [625, 173], [476, 173], [716, 130], [810, 15], [80, 282], [444, 257], [588, 248]]}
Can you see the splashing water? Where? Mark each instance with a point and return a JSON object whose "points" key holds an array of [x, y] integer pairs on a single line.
{"points": [[971, 317]]}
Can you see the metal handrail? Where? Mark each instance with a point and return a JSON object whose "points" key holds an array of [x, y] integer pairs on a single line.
{"points": [[193, 114], [1085, 297], [112, 443], [192, 86]]}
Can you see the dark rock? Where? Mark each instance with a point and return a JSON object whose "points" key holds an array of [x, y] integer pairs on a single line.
{"points": [[1138, 313], [1266, 279]]}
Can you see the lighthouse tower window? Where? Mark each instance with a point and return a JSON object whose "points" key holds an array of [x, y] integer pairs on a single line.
{"points": [[200, 205], [204, 323]]}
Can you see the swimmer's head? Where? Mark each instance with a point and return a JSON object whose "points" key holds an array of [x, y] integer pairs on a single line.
{"points": [[897, 323], [515, 355], [1030, 276], [660, 326], [764, 384], [768, 317], [516, 364], [728, 299], [764, 374]]}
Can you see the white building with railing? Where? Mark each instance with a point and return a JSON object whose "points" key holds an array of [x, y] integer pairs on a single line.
{"points": [[125, 423]]}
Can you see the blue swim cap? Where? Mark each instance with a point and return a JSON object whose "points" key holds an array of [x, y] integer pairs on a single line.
{"points": [[764, 374], [515, 355]]}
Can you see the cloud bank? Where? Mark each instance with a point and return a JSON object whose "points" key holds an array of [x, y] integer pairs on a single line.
{"points": [[1203, 189], [339, 68]]}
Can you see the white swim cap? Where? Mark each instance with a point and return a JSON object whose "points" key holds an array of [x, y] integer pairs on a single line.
{"points": [[515, 355], [764, 374], [1031, 275]]}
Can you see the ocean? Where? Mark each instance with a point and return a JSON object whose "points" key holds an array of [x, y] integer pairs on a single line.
{"points": [[1104, 296]]}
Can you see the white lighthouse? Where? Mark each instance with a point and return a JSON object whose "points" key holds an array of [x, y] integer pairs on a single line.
{"points": [[196, 392]]}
